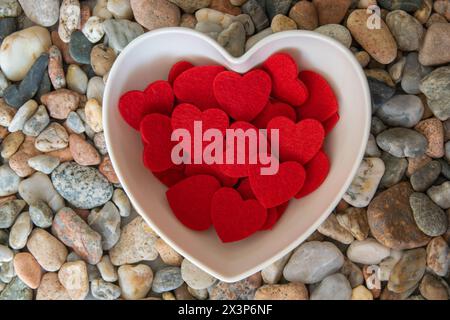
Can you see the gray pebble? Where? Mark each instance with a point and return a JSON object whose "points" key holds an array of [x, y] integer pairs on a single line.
{"points": [[37, 123], [377, 126], [16, 290], [75, 123], [7, 26], [257, 13], [405, 5], [121, 32], [402, 111], [447, 150], [402, 142], [431, 219], [274, 7], [395, 169], [233, 39], [9, 211], [380, 93], [440, 195], [425, 176], [22, 115], [80, 48], [84, 187], [413, 73], [407, 31], [44, 163], [103, 290], [41, 214], [100, 143], [333, 287], [9, 181], [436, 86], [445, 168], [337, 32], [372, 149], [167, 279], [107, 223]]}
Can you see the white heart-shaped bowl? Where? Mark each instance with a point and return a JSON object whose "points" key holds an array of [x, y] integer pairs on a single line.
{"points": [[150, 57]]}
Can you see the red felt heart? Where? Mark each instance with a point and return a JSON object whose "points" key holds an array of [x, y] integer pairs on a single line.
{"points": [[156, 131], [210, 169], [273, 215], [245, 189], [243, 97], [274, 190], [133, 107], [233, 218], [236, 169], [195, 86], [330, 123], [322, 102], [191, 199], [160, 95], [274, 109], [171, 176], [285, 83], [177, 69], [298, 141], [316, 172]]}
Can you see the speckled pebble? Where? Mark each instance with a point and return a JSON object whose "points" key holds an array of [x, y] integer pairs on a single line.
{"points": [[135, 281], [74, 278]]}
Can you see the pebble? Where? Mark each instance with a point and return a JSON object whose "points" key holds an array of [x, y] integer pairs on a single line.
{"points": [[11, 144], [53, 138], [401, 111], [95, 89], [37, 122], [330, 11], [233, 39], [440, 194], [368, 251], [257, 37], [224, 6], [103, 290], [282, 23], [6, 254], [379, 43], [361, 293], [135, 281], [353, 273], [55, 68], [121, 32], [380, 92], [437, 256], [391, 219], [107, 223], [9, 181], [395, 169], [354, 220], [167, 254], [122, 202], [93, 111], [82, 151], [107, 270], [372, 149], [10, 8], [332, 229], [16, 290], [413, 73], [6, 113], [84, 187], [45, 14], [19, 161], [431, 288], [424, 177], [190, 6], [408, 271], [312, 261], [75, 233], [254, 9], [44, 163], [9, 210], [402, 142], [406, 30], [74, 123], [365, 183], [121, 9], [20, 231], [74, 278], [333, 287], [61, 102], [304, 14], [241, 290], [433, 131], [49, 252], [77, 80], [51, 289], [20, 50], [435, 87], [396, 70], [22, 115], [288, 291], [167, 279], [188, 21], [102, 59], [7, 27], [101, 10], [80, 47], [136, 243], [69, 19], [273, 272], [154, 14], [39, 187], [337, 32], [93, 31], [41, 214], [28, 269], [408, 5], [195, 277], [436, 45]]}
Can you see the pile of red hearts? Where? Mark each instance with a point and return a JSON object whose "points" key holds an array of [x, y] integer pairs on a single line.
{"points": [[236, 199]]}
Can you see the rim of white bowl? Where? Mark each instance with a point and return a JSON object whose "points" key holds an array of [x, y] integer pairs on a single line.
{"points": [[238, 60]]}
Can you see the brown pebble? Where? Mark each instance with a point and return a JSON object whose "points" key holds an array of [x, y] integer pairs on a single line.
{"points": [[19, 161], [83, 152], [331, 11], [63, 47], [63, 155], [288, 291], [28, 269], [107, 169], [102, 59], [432, 288], [433, 130], [51, 289], [55, 68], [85, 14], [61, 102], [168, 254], [305, 15], [416, 163], [225, 6]]}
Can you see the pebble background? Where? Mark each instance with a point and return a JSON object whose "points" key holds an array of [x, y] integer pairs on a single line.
{"points": [[67, 229]]}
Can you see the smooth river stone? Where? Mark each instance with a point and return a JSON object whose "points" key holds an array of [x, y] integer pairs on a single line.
{"points": [[435, 49], [424, 177], [121, 32], [365, 183], [401, 111], [413, 73], [312, 261], [391, 219], [431, 219], [406, 30], [406, 5], [83, 187], [402, 142], [44, 13], [408, 271], [368, 251], [395, 170], [436, 87], [379, 43], [333, 287]]}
